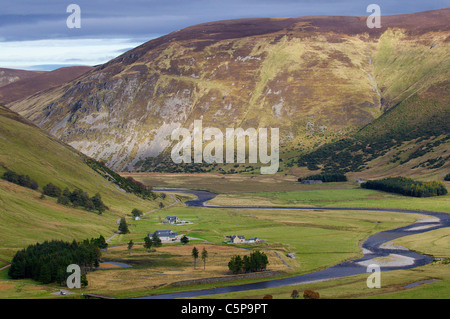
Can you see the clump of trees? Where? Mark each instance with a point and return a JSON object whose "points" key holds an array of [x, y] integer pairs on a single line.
{"points": [[76, 198], [22, 180], [47, 262], [256, 261], [447, 177], [407, 186], [326, 177]]}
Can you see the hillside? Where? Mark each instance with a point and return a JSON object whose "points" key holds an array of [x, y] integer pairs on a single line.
{"points": [[8, 76], [318, 79], [25, 218], [27, 86]]}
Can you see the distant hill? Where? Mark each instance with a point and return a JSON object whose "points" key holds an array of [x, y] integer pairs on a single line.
{"points": [[318, 79], [27, 86], [8, 76]]}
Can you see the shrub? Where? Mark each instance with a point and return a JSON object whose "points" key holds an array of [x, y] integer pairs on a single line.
{"points": [[447, 177], [311, 294]]}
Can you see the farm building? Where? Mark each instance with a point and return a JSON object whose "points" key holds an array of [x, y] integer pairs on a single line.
{"points": [[241, 240], [172, 220], [165, 235]]}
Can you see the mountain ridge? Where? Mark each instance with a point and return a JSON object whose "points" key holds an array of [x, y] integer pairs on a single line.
{"points": [[317, 78]]}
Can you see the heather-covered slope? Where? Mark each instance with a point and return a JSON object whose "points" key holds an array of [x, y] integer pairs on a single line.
{"points": [[42, 81], [8, 76]]}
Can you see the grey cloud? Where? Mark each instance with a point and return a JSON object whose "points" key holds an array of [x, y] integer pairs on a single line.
{"points": [[43, 19]]}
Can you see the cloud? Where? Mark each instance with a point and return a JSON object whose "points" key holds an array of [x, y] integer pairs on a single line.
{"points": [[30, 54]]}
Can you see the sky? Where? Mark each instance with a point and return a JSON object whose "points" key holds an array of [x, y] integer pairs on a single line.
{"points": [[34, 34]]}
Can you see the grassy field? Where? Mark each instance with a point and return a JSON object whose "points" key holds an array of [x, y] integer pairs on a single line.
{"points": [[344, 195], [318, 238]]}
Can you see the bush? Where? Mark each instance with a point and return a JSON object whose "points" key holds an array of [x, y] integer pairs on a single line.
{"points": [[311, 294], [447, 177], [406, 186]]}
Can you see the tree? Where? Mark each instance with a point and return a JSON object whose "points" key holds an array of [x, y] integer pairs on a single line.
{"points": [[257, 261], [101, 242], [98, 203], [130, 245], [235, 264], [123, 227], [184, 240], [148, 243], [195, 255], [156, 240], [204, 256], [136, 213], [45, 275], [83, 280]]}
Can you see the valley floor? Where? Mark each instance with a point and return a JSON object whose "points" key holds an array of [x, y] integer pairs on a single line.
{"points": [[319, 239]]}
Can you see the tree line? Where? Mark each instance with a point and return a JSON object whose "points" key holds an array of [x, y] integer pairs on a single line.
{"points": [[76, 198], [407, 186], [22, 180], [47, 262], [326, 177], [128, 184]]}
